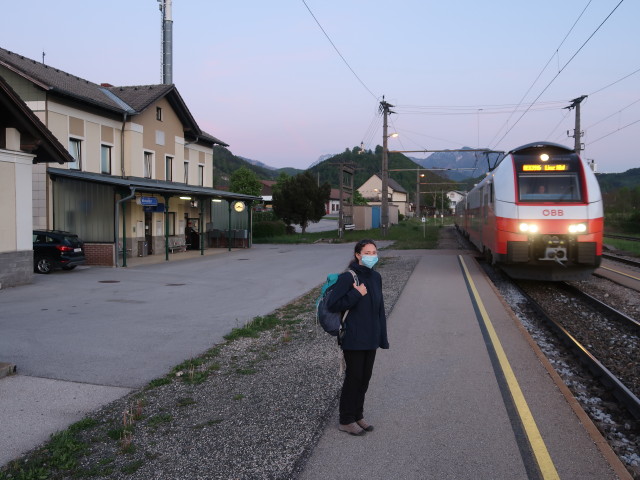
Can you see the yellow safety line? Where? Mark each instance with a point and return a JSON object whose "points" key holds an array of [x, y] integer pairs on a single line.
{"points": [[620, 273], [547, 468]]}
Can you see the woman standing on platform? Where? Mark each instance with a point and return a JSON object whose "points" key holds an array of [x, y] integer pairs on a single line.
{"points": [[364, 332]]}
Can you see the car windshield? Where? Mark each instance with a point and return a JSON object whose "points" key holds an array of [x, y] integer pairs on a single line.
{"points": [[549, 188]]}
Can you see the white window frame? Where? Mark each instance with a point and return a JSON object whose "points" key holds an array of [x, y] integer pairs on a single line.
{"points": [[147, 164], [201, 175], [186, 172], [76, 153], [108, 149], [168, 168]]}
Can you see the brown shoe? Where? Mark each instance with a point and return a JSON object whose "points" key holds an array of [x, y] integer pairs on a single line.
{"points": [[364, 425], [351, 429]]}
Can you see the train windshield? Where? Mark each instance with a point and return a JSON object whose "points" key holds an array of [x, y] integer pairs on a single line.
{"points": [[549, 187]]}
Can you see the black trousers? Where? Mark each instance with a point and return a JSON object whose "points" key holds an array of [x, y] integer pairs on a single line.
{"points": [[356, 382]]}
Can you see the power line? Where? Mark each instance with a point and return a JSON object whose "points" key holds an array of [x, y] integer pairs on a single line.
{"points": [[614, 113], [541, 71], [611, 84], [560, 122], [615, 131], [338, 51], [561, 70]]}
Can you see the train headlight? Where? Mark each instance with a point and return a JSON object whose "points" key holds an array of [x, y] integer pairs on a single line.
{"points": [[528, 228], [577, 228]]}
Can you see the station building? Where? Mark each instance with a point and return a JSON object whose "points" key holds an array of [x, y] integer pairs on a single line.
{"points": [[141, 179]]}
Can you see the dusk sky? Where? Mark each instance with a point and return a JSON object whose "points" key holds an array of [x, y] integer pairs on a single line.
{"points": [[263, 77]]}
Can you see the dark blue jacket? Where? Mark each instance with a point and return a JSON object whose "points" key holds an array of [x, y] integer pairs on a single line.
{"points": [[366, 324]]}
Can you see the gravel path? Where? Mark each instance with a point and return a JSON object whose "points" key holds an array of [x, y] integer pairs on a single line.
{"points": [[248, 408]]}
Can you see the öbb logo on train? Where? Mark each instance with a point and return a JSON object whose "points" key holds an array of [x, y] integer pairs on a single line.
{"points": [[553, 213]]}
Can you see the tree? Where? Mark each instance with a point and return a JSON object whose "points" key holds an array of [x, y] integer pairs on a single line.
{"points": [[358, 199], [299, 200], [246, 182]]}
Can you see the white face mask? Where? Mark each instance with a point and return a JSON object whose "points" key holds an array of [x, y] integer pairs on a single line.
{"points": [[369, 260]]}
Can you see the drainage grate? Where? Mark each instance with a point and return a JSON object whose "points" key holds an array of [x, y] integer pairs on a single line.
{"points": [[109, 281], [243, 259], [174, 284]]}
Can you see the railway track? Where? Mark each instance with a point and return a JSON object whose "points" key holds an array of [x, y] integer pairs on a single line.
{"points": [[622, 237], [625, 260], [609, 350]]}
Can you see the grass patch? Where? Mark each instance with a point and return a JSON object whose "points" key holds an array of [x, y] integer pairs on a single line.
{"points": [[253, 328], [158, 382], [157, 420], [118, 433], [238, 396], [246, 371], [625, 245], [184, 402], [408, 234], [189, 364], [82, 425], [195, 377], [132, 467]]}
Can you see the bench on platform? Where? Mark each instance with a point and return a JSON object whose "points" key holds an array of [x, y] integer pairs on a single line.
{"points": [[179, 246]]}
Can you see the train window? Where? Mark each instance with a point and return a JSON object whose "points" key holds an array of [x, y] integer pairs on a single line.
{"points": [[549, 188]]}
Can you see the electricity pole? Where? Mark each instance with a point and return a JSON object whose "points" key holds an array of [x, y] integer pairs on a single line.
{"points": [[575, 103], [385, 108]]}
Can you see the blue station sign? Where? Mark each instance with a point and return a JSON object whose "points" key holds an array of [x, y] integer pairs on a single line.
{"points": [[148, 201]]}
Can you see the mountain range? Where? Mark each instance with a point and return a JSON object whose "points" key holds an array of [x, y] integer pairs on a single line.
{"points": [[461, 166]]}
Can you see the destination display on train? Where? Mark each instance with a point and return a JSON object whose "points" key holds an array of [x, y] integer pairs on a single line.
{"points": [[558, 167]]}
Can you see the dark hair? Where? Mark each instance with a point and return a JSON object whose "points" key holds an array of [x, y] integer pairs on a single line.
{"points": [[360, 245]]}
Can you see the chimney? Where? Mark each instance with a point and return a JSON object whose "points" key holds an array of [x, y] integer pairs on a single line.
{"points": [[167, 42]]}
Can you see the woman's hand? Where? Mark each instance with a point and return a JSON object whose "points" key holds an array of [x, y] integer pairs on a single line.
{"points": [[362, 288]]}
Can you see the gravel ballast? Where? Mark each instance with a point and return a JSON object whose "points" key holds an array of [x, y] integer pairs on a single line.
{"points": [[247, 408]]}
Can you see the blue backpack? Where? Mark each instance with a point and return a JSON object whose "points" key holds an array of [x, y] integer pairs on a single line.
{"points": [[332, 322]]}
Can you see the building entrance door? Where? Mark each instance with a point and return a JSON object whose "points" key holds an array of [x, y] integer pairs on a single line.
{"points": [[148, 231]]}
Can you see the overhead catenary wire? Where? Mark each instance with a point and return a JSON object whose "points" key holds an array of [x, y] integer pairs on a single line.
{"points": [[560, 71], [613, 83], [555, 53], [612, 115], [611, 133], [591, 95], [338, 52]]}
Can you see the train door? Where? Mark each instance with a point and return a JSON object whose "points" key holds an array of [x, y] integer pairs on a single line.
{"points": [[488, 217]]}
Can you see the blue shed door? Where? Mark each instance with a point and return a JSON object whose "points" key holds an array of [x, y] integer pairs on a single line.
{"points": [[375, 216]]}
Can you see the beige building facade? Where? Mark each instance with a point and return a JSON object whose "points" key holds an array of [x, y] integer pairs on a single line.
{"points": [[140, 159], [371, 190]]}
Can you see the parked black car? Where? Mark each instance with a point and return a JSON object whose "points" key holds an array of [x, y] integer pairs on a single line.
{"points": [[56, 249]]}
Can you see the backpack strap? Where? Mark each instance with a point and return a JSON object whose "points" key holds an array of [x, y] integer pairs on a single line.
{"points": [[343, 319]]}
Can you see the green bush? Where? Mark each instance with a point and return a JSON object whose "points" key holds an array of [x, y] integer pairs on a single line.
{"points": [[267, 216], [268, 229]]}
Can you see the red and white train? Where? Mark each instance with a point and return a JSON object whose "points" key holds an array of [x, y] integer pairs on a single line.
{"points": [[537, 215]]}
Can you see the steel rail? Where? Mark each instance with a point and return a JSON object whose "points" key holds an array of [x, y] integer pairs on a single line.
{"points": [[628, 261], [602, 373], [622, 237], [602, 307]]}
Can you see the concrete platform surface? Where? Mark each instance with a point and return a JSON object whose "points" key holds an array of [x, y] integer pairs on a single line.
{"points": [[436, 405]]}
